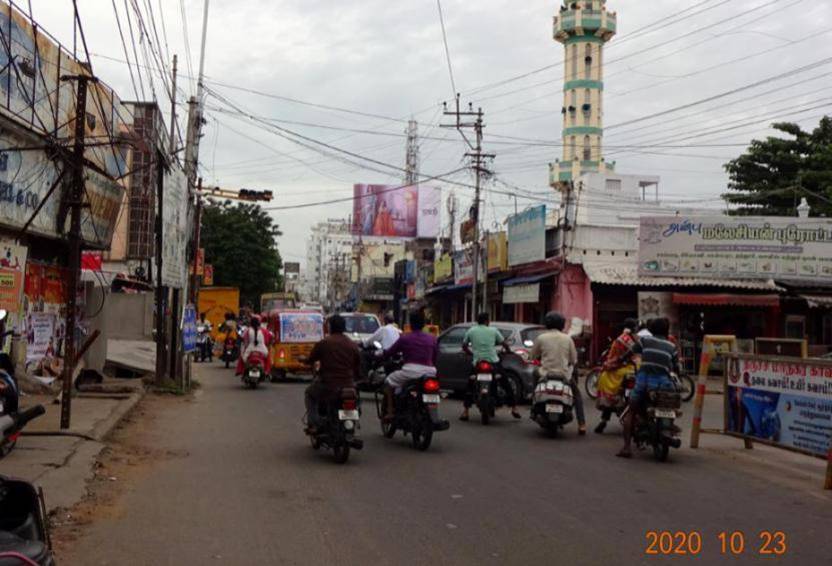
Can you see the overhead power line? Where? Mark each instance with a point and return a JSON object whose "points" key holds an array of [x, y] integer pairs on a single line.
{"points": [[447, 51]]}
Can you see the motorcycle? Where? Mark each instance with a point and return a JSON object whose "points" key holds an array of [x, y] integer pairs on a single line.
{"points": [[337, 423], [656, 426], [487, 396], [230, 350], [204, 342], [416, 412], [375, 368], [12, 420], [24, 531], [552, 403], [254, 372]]}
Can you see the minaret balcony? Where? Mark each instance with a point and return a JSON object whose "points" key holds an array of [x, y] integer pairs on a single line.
{"points": [[580, 22]]}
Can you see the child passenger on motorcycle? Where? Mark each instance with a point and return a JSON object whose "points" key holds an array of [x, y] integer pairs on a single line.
{"points": [[659, 358]]}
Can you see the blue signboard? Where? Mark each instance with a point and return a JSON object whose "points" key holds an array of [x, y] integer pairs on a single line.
{"points": [[527, 236], [189, 328]]}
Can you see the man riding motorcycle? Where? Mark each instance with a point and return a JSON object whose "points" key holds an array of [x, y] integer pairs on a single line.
{"points": [[557, 355], [481, 343], [340, 367], [386, 335], [419, 351], [659, 358]]}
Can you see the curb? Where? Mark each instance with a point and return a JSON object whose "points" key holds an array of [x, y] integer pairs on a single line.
{"points": [[105, 427]]}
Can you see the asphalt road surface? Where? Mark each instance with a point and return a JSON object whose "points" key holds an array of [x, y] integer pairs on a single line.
{"points": [[250, 490]]}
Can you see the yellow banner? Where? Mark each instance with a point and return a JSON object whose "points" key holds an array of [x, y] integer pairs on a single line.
{"points": [[497, 252], [443, 268]]}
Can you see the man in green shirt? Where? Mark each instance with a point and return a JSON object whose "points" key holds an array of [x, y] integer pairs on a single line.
{"points": [[481, 343]]}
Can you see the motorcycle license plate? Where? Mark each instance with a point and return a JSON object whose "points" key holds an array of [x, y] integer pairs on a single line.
{"points": [[432, 399], [484, 377], [254, 373], [665, 414], [348, 415], [554, 408]]}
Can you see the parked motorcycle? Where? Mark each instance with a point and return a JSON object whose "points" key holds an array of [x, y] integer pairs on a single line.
{"points": [[254, 372], [656, 425], [204, 343], [552, 403], [24, 531], [12, 420], [336, 425], [416, 412]]}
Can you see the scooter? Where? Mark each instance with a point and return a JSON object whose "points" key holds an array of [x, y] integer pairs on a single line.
{"points": [[230, 351], [336, 424], [204, 342], [552, 403], [255, 370], [24, 531], [416, 412]]}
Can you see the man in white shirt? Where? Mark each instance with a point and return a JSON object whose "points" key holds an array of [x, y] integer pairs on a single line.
{"points": [[387, 335]]}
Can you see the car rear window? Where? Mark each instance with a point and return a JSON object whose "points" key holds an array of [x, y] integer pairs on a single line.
{"points": [[531, 333], [362, 324]]}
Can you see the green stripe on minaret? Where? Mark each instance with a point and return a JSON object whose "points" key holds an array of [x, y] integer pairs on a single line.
{"points": [[584, 38], [583, 131], [583, 83]]}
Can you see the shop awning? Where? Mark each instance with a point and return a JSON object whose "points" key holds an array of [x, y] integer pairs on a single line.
{"points": [[627, 274], [818, 301], [725, 299], [437, 289], [528, 279]]}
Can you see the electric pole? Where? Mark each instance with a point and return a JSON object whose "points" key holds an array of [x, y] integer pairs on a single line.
{"points": [[76, 195], [451, 206], [412, 157], [478, 160]]}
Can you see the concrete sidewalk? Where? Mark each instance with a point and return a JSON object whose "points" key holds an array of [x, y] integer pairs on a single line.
{"points": [[61, 461]]}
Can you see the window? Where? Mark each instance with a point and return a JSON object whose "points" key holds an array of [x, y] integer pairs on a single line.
{"points": [[452, 340], [587, 148], [795, 327], [588, 61], [613, 184], [574, 66], [573, 151]]}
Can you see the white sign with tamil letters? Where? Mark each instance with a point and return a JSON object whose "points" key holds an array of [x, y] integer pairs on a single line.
{"points": [[527, 236]]}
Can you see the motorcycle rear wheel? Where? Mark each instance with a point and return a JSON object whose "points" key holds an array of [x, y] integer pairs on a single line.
{"points": [[485, 412], [388, 429], [661, 451], [6, 447], [422, 433], [688, 387], [315, 442], [341, 453]]}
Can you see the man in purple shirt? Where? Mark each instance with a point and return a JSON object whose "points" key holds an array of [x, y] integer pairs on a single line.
{"points": [[419, 350]]}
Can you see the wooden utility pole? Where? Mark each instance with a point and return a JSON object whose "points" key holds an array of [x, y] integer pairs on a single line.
{"points": [[478, 160], [76, 196]]}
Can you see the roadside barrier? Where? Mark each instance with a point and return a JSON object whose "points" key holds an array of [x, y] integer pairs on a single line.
{"points": [[713, 346]]}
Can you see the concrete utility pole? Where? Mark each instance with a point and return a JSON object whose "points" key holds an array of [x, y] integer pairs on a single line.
{"points": [[173, 113], [451, 206], [161, 290], [76, 197], [478, 160], [195, 120], [412, 158]]}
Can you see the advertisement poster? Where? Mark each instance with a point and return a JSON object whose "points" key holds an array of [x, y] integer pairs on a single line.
{"points": [[783, 402], [463, 268], [396, 212], [175, 230], [208, 275], [40, 336], [12, 269], [301, 327], [527, 236], [748, 247], [443, 268], [497, 252]]}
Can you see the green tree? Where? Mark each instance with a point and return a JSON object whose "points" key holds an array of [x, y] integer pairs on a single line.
{"points": [[776, 173], [240, 242]]}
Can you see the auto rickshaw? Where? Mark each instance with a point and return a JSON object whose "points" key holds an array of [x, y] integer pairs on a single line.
{"points": [[295, 332]]}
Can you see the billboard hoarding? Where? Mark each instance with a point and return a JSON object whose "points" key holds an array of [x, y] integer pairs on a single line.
{"points": [[744, 247], [291, 267], [463, 268], [781, 401], [527, 236], [175, 230], [497, 252], [443, 268], [387, 211]]}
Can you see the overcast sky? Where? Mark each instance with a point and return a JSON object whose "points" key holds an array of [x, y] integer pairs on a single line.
{"points": [[387, 59]]}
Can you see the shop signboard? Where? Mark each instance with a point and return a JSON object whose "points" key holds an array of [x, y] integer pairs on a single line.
{"points": [[443, 268], [291, 267], [463, 268], [527, 236], [497, 252], [782, 401], [301, 327], [189, 328], [175, 229], [517, 294], [745, 247], [390, 211]]}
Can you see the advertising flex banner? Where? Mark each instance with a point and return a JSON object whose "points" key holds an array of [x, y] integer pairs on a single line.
{"points": [[390, 211], [301, 327], [748, 247], [784, 401], [527, 236], [175, 230]]}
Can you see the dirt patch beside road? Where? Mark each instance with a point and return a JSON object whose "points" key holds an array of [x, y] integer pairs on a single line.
{"points": [[130, 454]]}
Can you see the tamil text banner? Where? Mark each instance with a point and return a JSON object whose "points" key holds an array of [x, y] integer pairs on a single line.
{"points": [[745, 247]]}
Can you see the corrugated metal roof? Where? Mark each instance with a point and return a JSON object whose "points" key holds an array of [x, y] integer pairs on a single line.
{"points": [[818, 301], [627, 274]]}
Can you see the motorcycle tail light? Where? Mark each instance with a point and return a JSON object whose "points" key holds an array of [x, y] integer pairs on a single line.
{"points": [[348, 404], [431, 386], [535, 363], [281, 354], [484, 367]]}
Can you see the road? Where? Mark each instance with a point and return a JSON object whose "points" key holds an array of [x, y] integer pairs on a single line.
{"points": [[246, 488]]}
